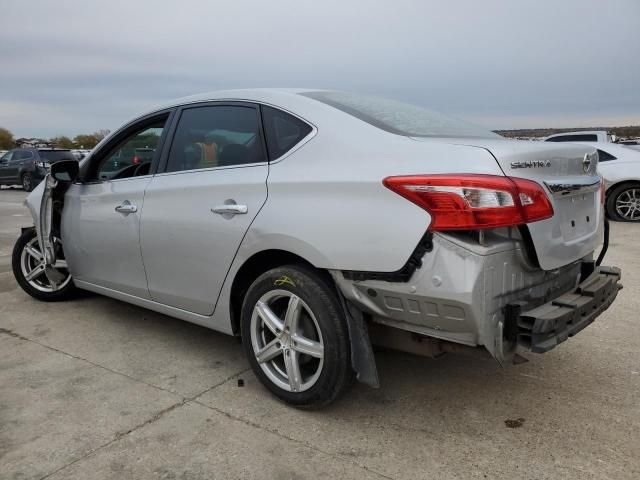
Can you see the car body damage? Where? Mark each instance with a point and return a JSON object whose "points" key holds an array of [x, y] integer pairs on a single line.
{"points": [[314, 224], [463, 291]]}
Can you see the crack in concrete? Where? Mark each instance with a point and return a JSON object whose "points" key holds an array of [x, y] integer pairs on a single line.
{"points": [[294, 440], [62, 352], [119, 435], [184, 401]]}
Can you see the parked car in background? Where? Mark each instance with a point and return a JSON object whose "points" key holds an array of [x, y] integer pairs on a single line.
{"points": [[80, 154], [28, 166], [619, 165], [312, 223], [633, 144], [601, 136]]}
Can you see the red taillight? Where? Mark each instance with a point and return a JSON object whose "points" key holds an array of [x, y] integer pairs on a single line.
{"points": [[136, 159], [602, 191], [474, 201]]}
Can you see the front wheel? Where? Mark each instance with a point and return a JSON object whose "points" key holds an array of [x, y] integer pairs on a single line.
{"points": [[295, 336], [30, 272]]}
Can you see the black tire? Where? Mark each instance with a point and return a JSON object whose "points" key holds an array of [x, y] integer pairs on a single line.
{"points": [[612, 198], [336, 374], [65, 293], [27, 182]]}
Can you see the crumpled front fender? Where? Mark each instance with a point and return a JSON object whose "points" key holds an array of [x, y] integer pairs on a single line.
{"points": [[33, 202]]}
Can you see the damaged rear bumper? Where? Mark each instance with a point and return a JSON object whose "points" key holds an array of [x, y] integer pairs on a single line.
{"points": [[541, 328], [487, 295]]}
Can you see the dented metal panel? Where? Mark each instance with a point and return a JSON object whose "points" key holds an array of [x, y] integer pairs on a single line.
{"points": [[460, 292]]}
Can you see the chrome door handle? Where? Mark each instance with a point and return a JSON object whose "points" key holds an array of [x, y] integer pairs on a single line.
{"points": [[126, 207], [231, 209]]}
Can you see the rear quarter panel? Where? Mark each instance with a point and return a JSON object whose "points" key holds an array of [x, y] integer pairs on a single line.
{"points": [[326, 202]]}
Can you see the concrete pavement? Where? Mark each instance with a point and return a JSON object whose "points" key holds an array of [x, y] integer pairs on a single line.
{"points": [[97, 388]]}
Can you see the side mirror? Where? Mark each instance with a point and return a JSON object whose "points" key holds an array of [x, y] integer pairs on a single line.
{"points": [[65, 170]]}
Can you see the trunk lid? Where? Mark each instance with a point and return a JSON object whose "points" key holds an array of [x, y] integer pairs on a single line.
{"points": [[568, 174]]}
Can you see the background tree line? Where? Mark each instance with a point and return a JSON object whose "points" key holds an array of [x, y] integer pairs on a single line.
{"points": [[84, 141]]}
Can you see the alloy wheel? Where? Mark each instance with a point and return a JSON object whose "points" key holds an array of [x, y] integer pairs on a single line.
{"points": [[287, 341], [628, 204], [32, 264]]}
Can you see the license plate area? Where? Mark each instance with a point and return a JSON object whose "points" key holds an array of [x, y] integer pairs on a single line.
{"points": [[577, 215]]}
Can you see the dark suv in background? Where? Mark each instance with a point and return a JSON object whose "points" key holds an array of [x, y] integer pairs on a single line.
{"points": [[28, 166]]}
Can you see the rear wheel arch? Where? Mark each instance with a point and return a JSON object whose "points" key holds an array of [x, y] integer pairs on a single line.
{"points": [[620, 183], [252, 268]]}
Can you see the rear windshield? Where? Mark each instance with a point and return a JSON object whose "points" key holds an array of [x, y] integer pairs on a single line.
{"points": [[56, 155], [400, 118]]}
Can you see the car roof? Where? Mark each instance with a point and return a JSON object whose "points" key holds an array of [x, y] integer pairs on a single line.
{"points": [[282, 97], [267, 95]]}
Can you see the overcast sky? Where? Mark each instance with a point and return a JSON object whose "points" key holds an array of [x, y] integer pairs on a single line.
{"points": [[75, 66]]}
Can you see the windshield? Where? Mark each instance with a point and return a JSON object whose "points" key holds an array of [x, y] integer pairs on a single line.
{"points": [[56, 155], [400, 118]]}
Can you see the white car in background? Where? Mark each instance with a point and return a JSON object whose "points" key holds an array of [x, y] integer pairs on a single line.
{"points": [[600, 136], [633, 144], [619, 165]]}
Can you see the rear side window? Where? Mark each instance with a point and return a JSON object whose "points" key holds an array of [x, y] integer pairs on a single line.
{"points": [[574, 138], [604, 156], [282, 131], [216, 136]]}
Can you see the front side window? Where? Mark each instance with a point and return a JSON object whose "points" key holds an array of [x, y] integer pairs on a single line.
{"points": [[399, 118], [6, 157], [216, 136], [132, 157], [282, 131]]}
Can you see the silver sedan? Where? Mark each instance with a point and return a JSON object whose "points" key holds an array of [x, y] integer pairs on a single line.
{"points": [[315, 223]]}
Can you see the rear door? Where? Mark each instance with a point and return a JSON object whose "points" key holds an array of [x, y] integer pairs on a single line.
{"points": [[199, 208], [101, 215]]}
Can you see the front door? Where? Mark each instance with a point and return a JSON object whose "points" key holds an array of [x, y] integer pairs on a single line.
{"points": [[101, 217], [197, 211]]}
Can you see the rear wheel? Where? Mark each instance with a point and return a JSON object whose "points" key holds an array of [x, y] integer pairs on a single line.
{"points": [[27, 182], [29, 269], [623, 203], [295, 336]]}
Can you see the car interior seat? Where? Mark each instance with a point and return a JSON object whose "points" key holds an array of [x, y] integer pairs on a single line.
{"points": [[234, 154]]}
